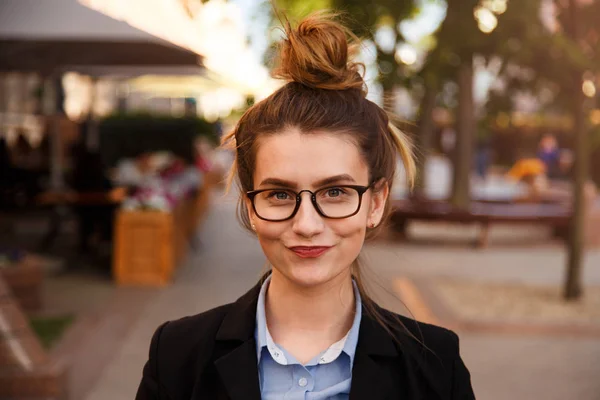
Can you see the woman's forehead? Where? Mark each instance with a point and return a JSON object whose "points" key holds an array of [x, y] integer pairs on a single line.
{"points": [[307, 158]]}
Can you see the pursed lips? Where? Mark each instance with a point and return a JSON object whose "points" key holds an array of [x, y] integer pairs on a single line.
{"points": [[309, 251]]}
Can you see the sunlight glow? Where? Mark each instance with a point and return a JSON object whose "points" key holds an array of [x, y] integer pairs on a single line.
{"points": [[405, 53], [486, 19], [589, 88]]}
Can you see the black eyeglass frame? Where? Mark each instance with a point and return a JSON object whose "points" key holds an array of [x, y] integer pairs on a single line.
{"points": [[313, 198]]}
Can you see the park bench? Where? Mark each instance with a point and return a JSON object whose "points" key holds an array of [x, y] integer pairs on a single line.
{"points": [[483, 213]]}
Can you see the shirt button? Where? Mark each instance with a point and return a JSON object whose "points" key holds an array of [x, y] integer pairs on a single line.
{"points": [[302, 382]]}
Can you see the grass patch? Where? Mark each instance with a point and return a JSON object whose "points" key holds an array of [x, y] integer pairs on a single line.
{"points": [[50, 329]]}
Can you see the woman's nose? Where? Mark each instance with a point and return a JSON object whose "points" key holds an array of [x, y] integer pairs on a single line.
{"points": [[307, 222]]}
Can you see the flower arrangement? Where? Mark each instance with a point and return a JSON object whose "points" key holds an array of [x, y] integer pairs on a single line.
{"points": [[164, 191]]}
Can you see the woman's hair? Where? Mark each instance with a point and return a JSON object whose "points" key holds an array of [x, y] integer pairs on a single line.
{"points": [[325, 92]]}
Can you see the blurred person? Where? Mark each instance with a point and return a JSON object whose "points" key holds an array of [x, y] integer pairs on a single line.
{"points": [[21, 172], [88, 173], [561, 188], [315, 162], [565, 164], [549, 154], [532, 172], [22, 152], [483, 156], [89, 176]]}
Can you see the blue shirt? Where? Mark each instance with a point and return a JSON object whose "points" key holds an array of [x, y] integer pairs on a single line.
{"points": [[326, 376]]}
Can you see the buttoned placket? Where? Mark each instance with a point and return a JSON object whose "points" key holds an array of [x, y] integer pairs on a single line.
{"points": [[303, 380]]}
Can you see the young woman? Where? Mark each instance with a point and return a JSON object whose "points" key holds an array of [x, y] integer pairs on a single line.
{"points": [[315, 162]]}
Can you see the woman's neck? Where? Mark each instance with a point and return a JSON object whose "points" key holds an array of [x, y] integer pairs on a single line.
{"points": [[326, 311]]}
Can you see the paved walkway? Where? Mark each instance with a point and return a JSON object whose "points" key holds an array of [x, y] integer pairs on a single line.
{"points": [[503, 366]]}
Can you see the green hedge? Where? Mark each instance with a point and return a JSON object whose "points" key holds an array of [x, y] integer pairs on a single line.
{"points": [[128, 135]]}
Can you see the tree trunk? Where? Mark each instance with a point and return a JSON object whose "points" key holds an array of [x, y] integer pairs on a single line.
{"points": [[463, 156], [424, 139], [576, 244]]}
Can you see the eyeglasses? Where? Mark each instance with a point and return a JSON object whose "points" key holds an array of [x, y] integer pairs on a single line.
{"points": [[334, 202]]}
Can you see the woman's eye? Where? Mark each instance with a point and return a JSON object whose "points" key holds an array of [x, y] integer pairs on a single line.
{"points": [[279, 195], [335, 192]]}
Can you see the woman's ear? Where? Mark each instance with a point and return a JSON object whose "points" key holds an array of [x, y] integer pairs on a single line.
{"points": [[249, 209], [380, 193]]}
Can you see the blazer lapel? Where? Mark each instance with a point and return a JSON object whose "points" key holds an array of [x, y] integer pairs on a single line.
{"points": [[382, 369], [239, 372], [235, 349], [370, 380]]}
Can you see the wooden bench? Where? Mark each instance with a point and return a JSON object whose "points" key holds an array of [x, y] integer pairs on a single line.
{"points": [[555, 215]]}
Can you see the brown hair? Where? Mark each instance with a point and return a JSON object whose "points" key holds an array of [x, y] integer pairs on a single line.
{"points": [[325, 91]]}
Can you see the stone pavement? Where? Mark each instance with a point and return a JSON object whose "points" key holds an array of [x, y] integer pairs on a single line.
{"points": [[503, 366]]}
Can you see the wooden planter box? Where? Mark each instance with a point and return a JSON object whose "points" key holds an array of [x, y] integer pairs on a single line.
{"points": [[144, 248], [149, 245], [24, 279]]}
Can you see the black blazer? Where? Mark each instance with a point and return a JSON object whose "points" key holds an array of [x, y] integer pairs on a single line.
{"points": [[213, 356]]}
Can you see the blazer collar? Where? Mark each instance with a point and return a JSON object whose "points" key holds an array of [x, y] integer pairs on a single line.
{"points": [[237, 365], [240, 322]]}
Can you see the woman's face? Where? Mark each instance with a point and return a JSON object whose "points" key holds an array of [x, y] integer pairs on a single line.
{"points": [[309, 249]]}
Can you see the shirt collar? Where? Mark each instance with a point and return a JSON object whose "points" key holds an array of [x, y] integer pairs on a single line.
{"points": [[264, 340]]}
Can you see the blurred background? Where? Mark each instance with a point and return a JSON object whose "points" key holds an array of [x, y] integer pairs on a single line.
{"points": [[114, 215]]}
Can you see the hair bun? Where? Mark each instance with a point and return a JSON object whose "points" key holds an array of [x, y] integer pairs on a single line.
{"points": [[316, 54]]}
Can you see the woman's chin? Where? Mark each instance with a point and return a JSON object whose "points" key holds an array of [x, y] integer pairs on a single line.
{"points": [[308, 278], [310, 274]]}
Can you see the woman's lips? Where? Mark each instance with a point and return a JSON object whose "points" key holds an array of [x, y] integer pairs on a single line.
{"points": [[309, 251]]}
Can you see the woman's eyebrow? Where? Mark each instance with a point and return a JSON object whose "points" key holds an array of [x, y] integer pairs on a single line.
{"points": [[335, 179], [292, 185], [279, 182]]}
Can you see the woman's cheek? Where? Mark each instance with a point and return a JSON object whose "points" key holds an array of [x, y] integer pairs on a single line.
{"points": [[271, 232], [354, 228], [270, 239]]}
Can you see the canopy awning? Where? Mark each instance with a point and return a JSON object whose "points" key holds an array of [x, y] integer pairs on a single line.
{"points": [[50, 35]]}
